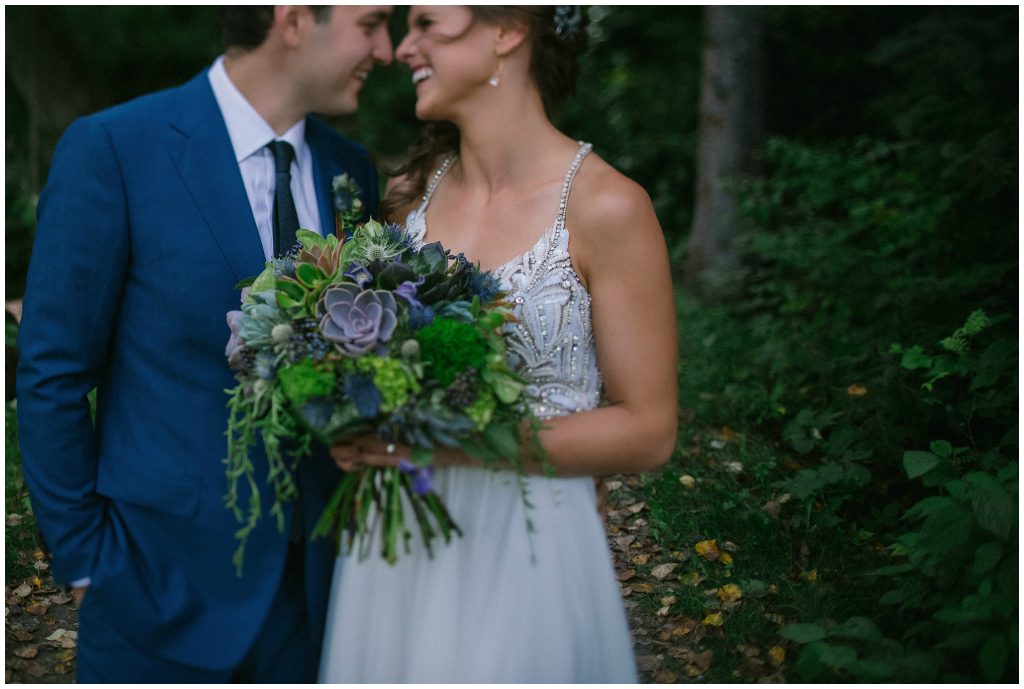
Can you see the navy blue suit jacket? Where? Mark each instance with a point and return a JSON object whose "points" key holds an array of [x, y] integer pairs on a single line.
{"points": [[144, 229]]}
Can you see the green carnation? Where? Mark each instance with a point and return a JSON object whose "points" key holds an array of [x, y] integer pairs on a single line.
{"points": [[482, 409], [392, 378], [449, 347], [304, 381]]}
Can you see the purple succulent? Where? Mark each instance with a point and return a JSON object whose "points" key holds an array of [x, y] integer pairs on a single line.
{"points": [[355, 319]]}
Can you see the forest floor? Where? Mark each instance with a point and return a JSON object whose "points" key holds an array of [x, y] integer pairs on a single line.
{"points": [[41, 618]]}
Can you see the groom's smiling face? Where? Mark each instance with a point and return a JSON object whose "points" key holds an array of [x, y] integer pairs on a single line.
{"points": [[339, 55]]}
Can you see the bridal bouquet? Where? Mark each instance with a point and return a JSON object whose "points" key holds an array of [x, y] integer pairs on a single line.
{"points": [[369, 335]]}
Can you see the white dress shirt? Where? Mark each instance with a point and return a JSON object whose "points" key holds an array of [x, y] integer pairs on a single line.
{"points": [[250, 134]]}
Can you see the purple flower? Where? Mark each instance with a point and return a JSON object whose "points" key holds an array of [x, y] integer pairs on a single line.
{"points": [[422, 477], [360, 274], [407, 291], [357, 320]]}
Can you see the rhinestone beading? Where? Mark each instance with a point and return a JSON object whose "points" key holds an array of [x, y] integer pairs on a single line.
{"points": [[552, 343]]}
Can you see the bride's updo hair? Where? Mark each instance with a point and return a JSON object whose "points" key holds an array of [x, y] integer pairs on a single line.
{"points": [[558, 37]]}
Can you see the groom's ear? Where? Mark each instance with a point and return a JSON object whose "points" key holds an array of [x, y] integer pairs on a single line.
{"points": [[510, 37], [289, 23]]}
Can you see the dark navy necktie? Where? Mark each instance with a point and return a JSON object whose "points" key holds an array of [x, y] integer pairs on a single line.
{"points": [[286, 219]]}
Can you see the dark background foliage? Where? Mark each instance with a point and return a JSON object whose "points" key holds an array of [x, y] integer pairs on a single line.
{"points": [[864, 379]]}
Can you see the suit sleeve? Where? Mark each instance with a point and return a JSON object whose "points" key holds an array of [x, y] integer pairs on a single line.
{"points": [[76, 274]]}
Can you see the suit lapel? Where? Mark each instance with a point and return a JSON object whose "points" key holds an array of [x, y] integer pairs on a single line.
{"points": [[206, 162]]}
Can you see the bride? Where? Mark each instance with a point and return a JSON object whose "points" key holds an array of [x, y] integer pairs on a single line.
{"points": [[580, 251]]}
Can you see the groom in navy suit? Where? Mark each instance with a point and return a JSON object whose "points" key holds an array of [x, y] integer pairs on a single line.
{"points": [[152, 213]]}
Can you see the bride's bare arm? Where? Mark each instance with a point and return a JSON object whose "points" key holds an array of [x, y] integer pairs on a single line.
{"points": [[618, 249]]}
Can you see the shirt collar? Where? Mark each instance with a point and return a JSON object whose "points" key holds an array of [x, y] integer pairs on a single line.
{"points": [[247, 129]]}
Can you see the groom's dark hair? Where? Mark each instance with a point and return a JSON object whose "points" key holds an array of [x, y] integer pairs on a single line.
{"points": [[247, 26]]}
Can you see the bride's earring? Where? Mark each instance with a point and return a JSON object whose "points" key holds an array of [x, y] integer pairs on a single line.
{"points": [[496, 79]]}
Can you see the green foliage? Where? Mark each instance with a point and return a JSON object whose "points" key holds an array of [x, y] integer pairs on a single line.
{"points": [[450, 347], [870, 371], [642, 74], [305, 380]]}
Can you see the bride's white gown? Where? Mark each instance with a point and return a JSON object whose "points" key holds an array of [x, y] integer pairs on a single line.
{"points": [[500, 604]]}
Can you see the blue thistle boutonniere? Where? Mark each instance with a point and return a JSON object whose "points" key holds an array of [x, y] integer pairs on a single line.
{"points": [[348, 204]]}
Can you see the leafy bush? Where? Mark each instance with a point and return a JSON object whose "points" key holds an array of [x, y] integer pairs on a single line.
{"points": [[954, 580], [876, 352]]}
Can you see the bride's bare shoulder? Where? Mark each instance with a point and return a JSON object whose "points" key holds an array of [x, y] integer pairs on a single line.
{"points": [[604, 202]]}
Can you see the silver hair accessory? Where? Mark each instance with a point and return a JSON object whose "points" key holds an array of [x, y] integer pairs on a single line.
{"points": [[568, 20]]}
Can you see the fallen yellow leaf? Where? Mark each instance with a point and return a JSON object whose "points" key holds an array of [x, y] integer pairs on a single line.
{"points": [[725, 559], [810, 575], [687, 481], [730, 593], [641, 559], [707, 550], [715, 619], [777, 654], [856, 390], [728, 433]]}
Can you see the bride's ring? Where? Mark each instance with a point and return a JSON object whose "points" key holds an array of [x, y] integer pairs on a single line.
{"points": [[390, 449]]}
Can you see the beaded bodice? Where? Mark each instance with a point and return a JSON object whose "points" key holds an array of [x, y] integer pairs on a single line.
{"points": [[552, 343]]}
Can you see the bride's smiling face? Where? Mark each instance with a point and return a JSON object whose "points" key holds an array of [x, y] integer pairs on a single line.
{"points": [[452, 57]]}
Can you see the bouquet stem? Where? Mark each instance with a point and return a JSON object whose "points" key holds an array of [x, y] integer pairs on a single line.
{"points": [[347, 514]]}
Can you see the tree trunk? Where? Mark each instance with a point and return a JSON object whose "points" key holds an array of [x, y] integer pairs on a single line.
{"points": [[731, 123]]}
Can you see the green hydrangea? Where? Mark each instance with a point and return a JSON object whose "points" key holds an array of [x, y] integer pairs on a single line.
{"points": [[482, 409], [393, 379], [303, 381], [449, 347]]}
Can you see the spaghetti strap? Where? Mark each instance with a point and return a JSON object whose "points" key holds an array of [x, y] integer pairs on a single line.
{"points": [[435, 180], [584, 149]]}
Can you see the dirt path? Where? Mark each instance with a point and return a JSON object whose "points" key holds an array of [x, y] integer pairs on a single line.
{"points": [[42, 621]]}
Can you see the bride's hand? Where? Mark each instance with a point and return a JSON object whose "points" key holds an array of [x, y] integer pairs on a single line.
{"points": [[368, 451]]}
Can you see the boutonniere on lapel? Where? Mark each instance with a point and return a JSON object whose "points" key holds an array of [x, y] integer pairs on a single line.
{"points": [[348, 204]]}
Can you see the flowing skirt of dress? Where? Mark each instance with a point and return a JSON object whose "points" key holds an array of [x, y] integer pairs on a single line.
{"points": [[498, 605]]}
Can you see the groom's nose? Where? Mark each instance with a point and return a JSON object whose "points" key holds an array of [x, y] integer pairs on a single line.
{"points": [[383, 52]]}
